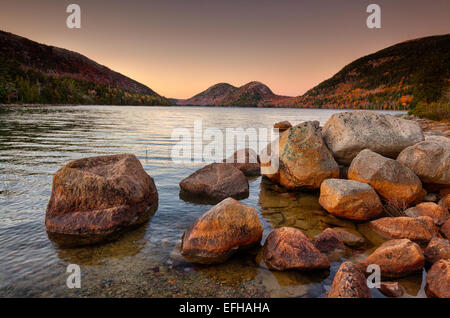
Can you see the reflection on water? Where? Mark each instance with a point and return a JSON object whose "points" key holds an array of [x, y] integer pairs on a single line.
{"points": [[130, 244], [300, 210], [35, 142]]}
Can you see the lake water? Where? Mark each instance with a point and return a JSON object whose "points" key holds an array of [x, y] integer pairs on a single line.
{"points": [[36, 141]]}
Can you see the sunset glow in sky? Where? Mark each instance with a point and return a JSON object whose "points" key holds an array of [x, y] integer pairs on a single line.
{"points": [[180, 47]]}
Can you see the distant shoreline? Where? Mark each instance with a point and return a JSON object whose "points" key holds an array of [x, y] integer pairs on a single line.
{"points": [[208, 106], [38, 105]]}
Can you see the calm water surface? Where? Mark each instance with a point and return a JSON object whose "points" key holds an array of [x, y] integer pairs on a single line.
{"points": [[35, 142]]}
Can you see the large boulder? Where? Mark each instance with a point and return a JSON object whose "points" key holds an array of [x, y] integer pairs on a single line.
{"points": [[346, 134], [349, 282], [95, 199], [396, 258], [220, 232], [401, 228], [393, 181], [438, 279], [288, 248], [430, 160], [302, 158], [246, 160], [433, 210], [214, 183], [437, 249], [350, 199]]}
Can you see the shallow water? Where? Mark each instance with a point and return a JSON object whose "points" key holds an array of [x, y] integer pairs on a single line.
{"points": [[35, 142]]}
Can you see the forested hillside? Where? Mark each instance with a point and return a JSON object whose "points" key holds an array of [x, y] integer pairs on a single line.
{"points": [[402, 76], [33, 73]]}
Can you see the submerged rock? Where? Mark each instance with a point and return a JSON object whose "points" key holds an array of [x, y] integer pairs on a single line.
{"points": [[288, 248], [350, 237], [438, 279], [303, 159], [434, 211], [430, 160], [220, 232], [391, 289], [437, 249], [329, 240], [396, 258], [349, 282], [401, 228], [347, 133], [214, 183], [393, 181], [350, 199], [95, 199], [246, 160]]}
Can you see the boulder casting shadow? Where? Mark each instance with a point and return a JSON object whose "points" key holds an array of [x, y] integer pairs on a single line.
{"points": [[97, 199], [130, 244]]}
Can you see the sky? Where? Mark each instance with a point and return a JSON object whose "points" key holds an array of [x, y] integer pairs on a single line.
{"points": [[181, 47]]}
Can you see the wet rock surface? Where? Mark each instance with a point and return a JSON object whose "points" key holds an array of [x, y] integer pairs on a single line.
{"points": [[246, 160], [220, 232], [288, 248], [396, 258], [437, 249], [401, 227], [433, 210], [391, 289], [329, 240], [428, 223], [350, 237], [350, 199], [438, 279], [394, 182], [96, 199], [349, 282], [214, 183]]}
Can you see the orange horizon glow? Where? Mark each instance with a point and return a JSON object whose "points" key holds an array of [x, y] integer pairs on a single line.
{"points": [[179, 48]]}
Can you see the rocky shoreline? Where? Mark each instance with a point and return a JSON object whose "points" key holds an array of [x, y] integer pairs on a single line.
{"points": [[385, 172], [431, 127]]}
